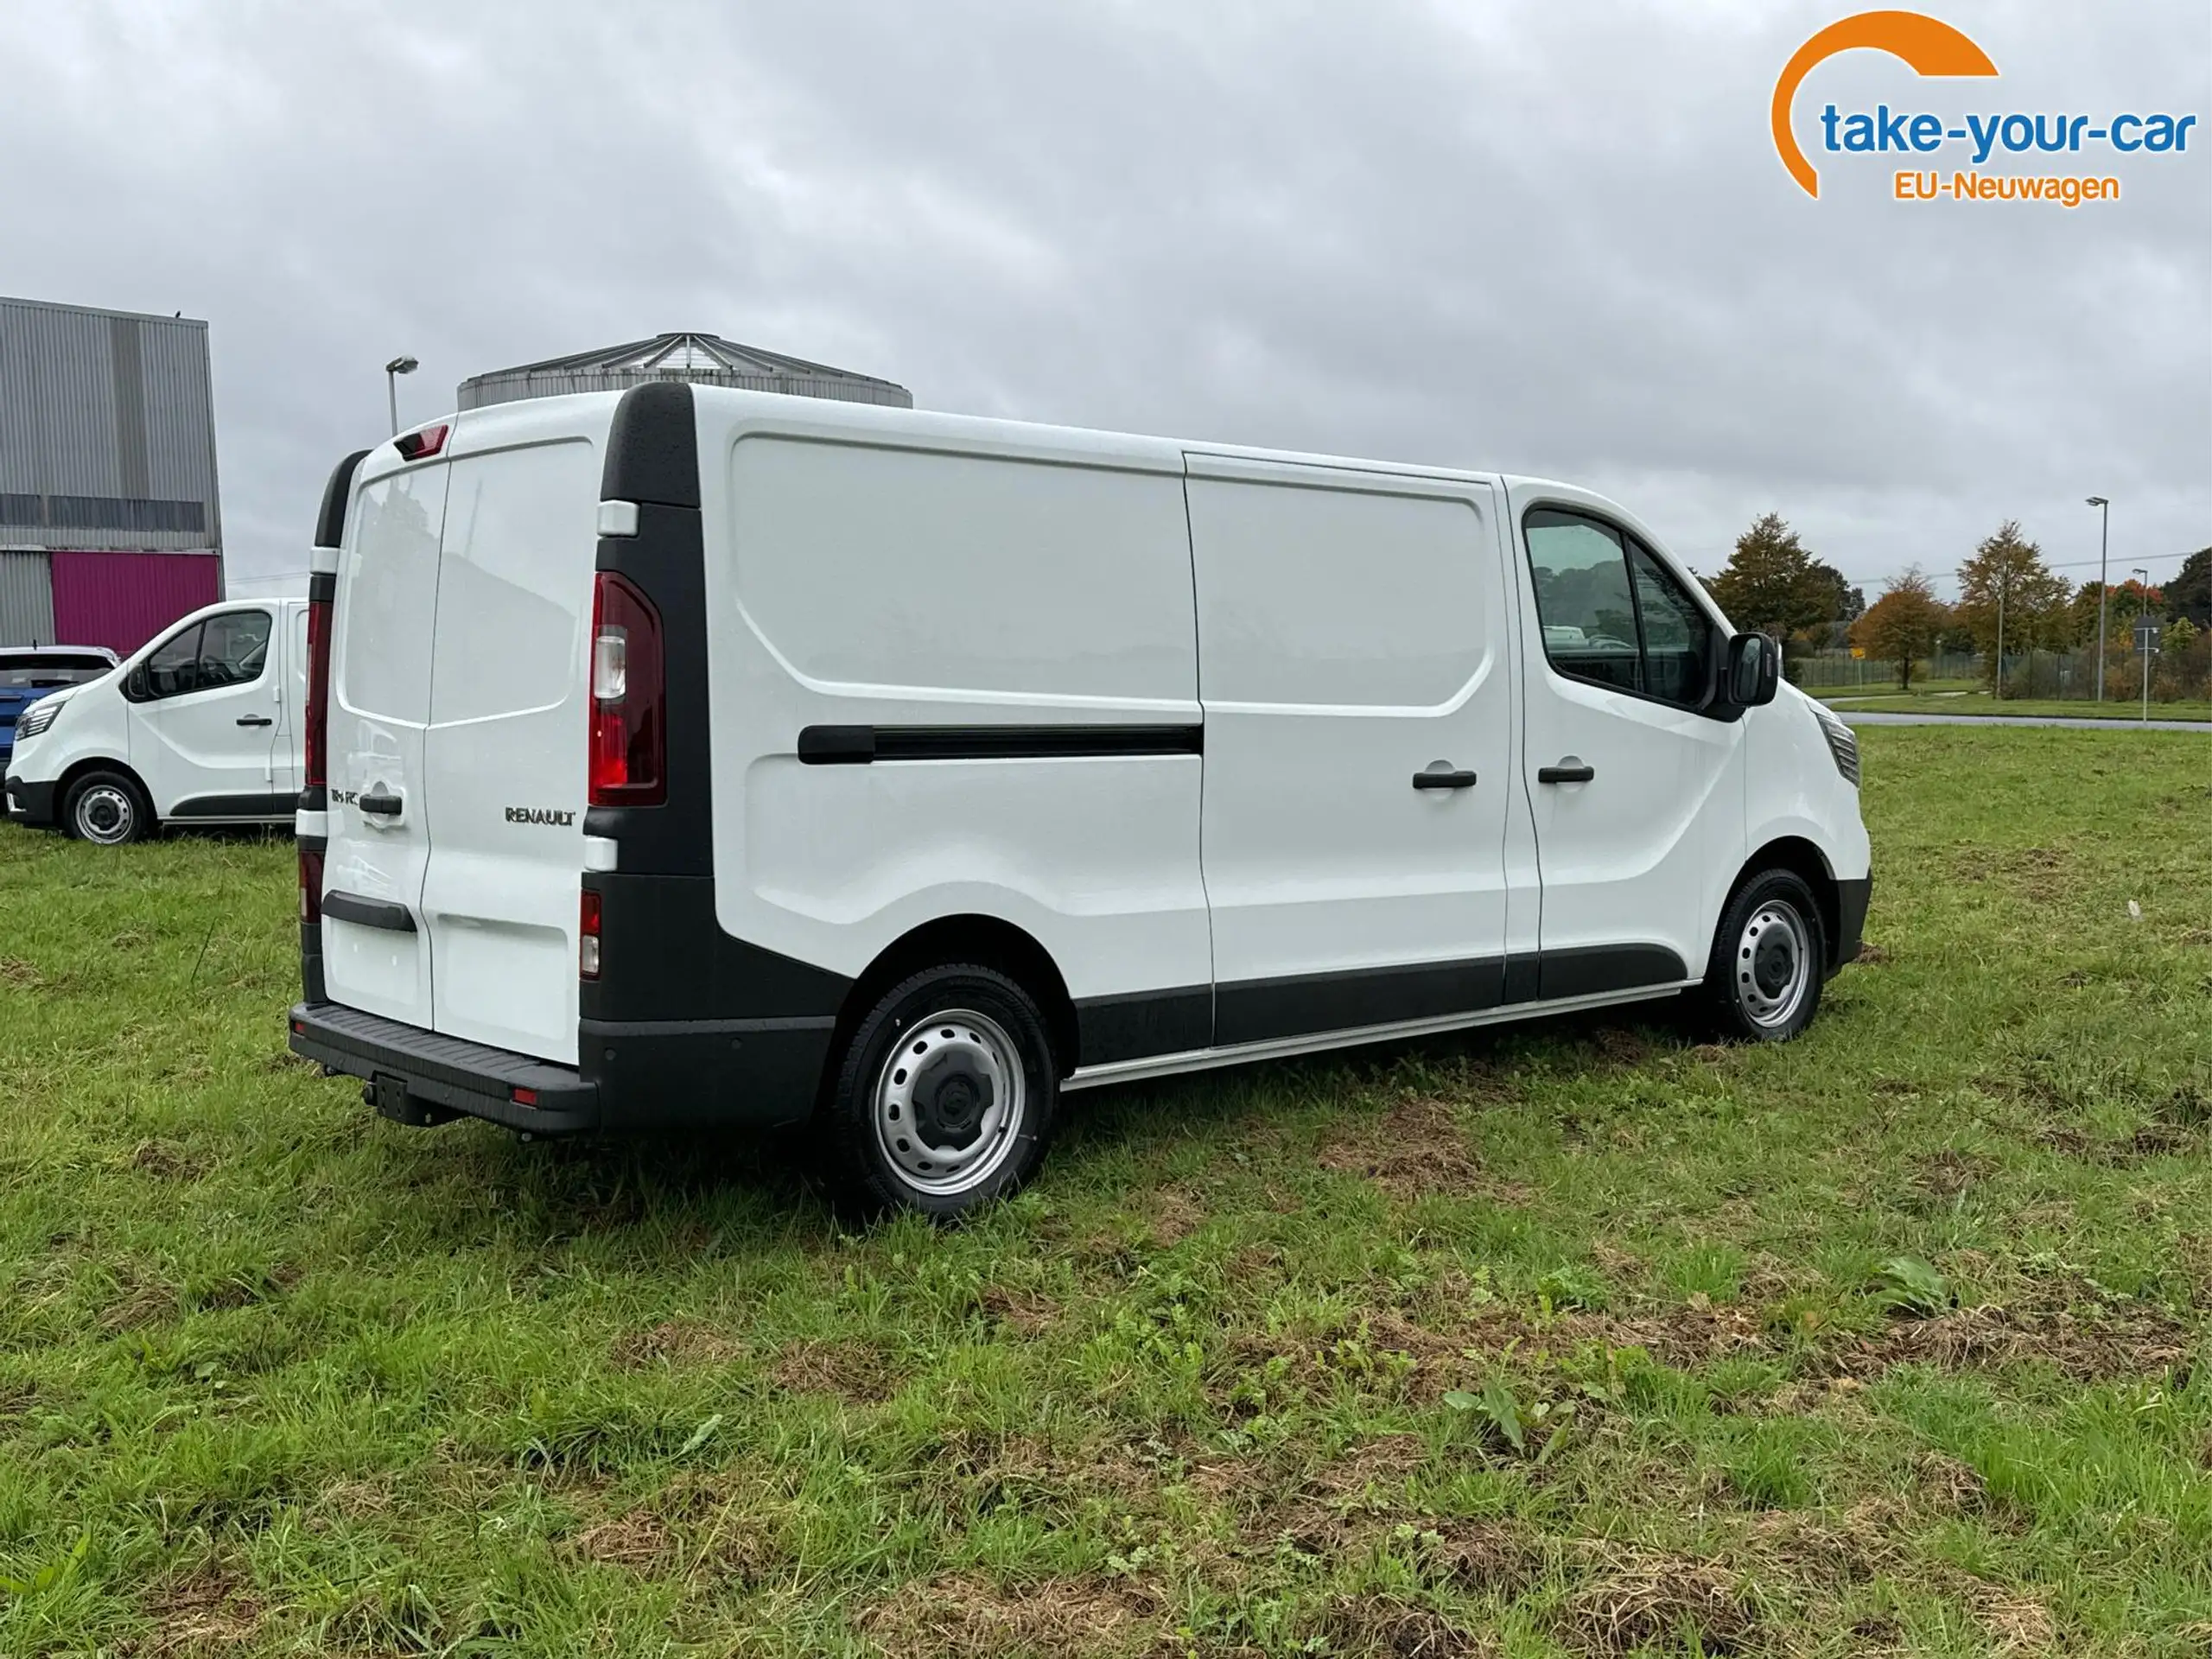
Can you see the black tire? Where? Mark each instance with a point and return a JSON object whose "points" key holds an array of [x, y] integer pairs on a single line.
{"points": [[981, 1027], [1754, 990], [107, 809]]}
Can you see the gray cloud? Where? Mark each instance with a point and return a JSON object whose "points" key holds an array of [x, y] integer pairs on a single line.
{"points": [[1541, 238]]}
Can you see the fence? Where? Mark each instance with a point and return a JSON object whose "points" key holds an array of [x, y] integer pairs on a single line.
{"points": [[2176, 676]]}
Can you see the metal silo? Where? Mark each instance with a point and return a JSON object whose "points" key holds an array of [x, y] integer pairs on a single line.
{"points": [[704, 359]]}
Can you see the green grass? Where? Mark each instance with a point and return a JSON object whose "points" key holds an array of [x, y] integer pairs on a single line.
{"points": [[1921, 702], [1580, 1339]]}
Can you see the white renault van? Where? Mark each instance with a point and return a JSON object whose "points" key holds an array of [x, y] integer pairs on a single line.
{"points": [[687, 757], [203, 724]]}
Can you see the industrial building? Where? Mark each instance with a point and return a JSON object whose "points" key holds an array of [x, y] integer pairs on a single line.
{"points": [[111, 526]]}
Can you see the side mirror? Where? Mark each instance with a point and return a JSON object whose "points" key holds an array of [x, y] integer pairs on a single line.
{"points": [[134, 686], [1754, 669]]}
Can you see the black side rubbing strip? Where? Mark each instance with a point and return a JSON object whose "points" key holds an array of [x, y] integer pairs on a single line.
{"points": [[1259, 1010], [1138, 1026], [1597, 970], [235, 806], [859, 746], [369, 912]]}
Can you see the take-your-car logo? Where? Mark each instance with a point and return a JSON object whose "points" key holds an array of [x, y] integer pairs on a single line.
{"points": [[1933, 48]]}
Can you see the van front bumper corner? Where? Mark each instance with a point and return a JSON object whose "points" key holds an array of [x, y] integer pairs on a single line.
{"points": [[29, 803], [418, 1077]]}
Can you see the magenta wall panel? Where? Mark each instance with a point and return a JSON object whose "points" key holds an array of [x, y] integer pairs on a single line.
{"points": [[122, 600]]}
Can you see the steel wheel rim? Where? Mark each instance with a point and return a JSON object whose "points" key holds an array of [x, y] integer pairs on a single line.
{"points": [[949, 1101], [1773, 965], [105, 815]]}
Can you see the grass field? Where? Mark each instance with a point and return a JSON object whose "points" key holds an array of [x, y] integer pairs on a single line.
{"points": [[1583, 1340], [1981, 703]]}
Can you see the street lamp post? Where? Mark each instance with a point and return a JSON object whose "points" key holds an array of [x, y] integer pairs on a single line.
{"points": [[2143, 637], [392, 371], [2104, 541]]}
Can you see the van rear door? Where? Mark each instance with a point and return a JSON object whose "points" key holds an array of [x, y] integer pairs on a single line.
{"points": [[506, 749], [376, 953]]}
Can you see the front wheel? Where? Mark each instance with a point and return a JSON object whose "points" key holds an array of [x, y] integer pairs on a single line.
{"points": [[107, 809], [945, 1097], [1764, 980]]}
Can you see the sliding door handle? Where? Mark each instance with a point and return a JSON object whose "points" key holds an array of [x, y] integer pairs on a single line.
{"points": [[1569, 771], [1440, 776], [254, 720]]}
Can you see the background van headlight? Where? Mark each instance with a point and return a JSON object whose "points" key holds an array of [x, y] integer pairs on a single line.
{"points": [[38, 717]]}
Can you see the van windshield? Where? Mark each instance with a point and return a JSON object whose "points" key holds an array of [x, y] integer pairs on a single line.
{"points": [[44, 670]]}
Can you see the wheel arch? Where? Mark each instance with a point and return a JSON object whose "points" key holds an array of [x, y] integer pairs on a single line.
{"points": [[76, 771], [987, 941], [1802, 858]]}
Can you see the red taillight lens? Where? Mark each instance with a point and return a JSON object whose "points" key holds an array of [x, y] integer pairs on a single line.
{"points": [[628, 716], [420, 446], [318, 709], [588, 937], [310, 886]]}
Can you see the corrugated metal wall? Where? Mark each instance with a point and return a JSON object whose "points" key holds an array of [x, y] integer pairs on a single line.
{"points": [[122, 600], [107, 430], [26, 600]]}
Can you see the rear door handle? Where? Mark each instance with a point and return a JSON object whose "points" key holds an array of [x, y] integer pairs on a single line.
{"points": [[1443, 777], [1569, 771], [383, 806], [254, 720]]}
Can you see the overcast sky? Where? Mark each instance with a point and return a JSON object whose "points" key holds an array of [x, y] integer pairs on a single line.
{"points": [[1548, 238]]}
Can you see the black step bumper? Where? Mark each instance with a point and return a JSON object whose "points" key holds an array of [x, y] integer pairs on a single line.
{"points": [[405, 1064]]}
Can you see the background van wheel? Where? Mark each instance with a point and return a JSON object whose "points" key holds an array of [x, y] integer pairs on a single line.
{"points": [[107, 808], [1769, 958], [945, 1095]]}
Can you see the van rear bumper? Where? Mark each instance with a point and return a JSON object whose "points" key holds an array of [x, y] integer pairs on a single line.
{"points": [[405, 1063]]}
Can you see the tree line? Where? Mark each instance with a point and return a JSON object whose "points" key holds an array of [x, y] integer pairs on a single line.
{"points": [[1774, 583]]}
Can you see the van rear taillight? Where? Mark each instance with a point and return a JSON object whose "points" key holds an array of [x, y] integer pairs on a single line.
{"points": [[628, 712], [317, 758], [310, 886], [588, 937]]}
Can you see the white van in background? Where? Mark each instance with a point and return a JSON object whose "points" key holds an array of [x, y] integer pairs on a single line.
{"points": [[202, 725], [688, 756]]}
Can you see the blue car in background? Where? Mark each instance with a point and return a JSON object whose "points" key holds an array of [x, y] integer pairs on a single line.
{"points": [[29, 672]]}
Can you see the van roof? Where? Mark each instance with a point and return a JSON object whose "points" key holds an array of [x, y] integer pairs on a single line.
{"points": [[590, 414]]}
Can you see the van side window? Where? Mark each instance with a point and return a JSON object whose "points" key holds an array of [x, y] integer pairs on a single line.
{"points": [[174, 667], [1612, 614], [1678, 643], [233, 649], [1583, 598]]}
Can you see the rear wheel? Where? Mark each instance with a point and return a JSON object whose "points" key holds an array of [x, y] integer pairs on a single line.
{"points": [[1764, 980], [945, 1095], [107, 808]]}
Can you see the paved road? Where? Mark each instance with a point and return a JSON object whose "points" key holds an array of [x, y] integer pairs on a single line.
{"points": [[1869, 717]]}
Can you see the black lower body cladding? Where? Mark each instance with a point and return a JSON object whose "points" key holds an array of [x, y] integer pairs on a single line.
{"points": [[1852, 899], [31, 803]]}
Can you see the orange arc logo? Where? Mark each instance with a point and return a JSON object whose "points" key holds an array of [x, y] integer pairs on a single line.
{"points": [[1930, 47]]}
